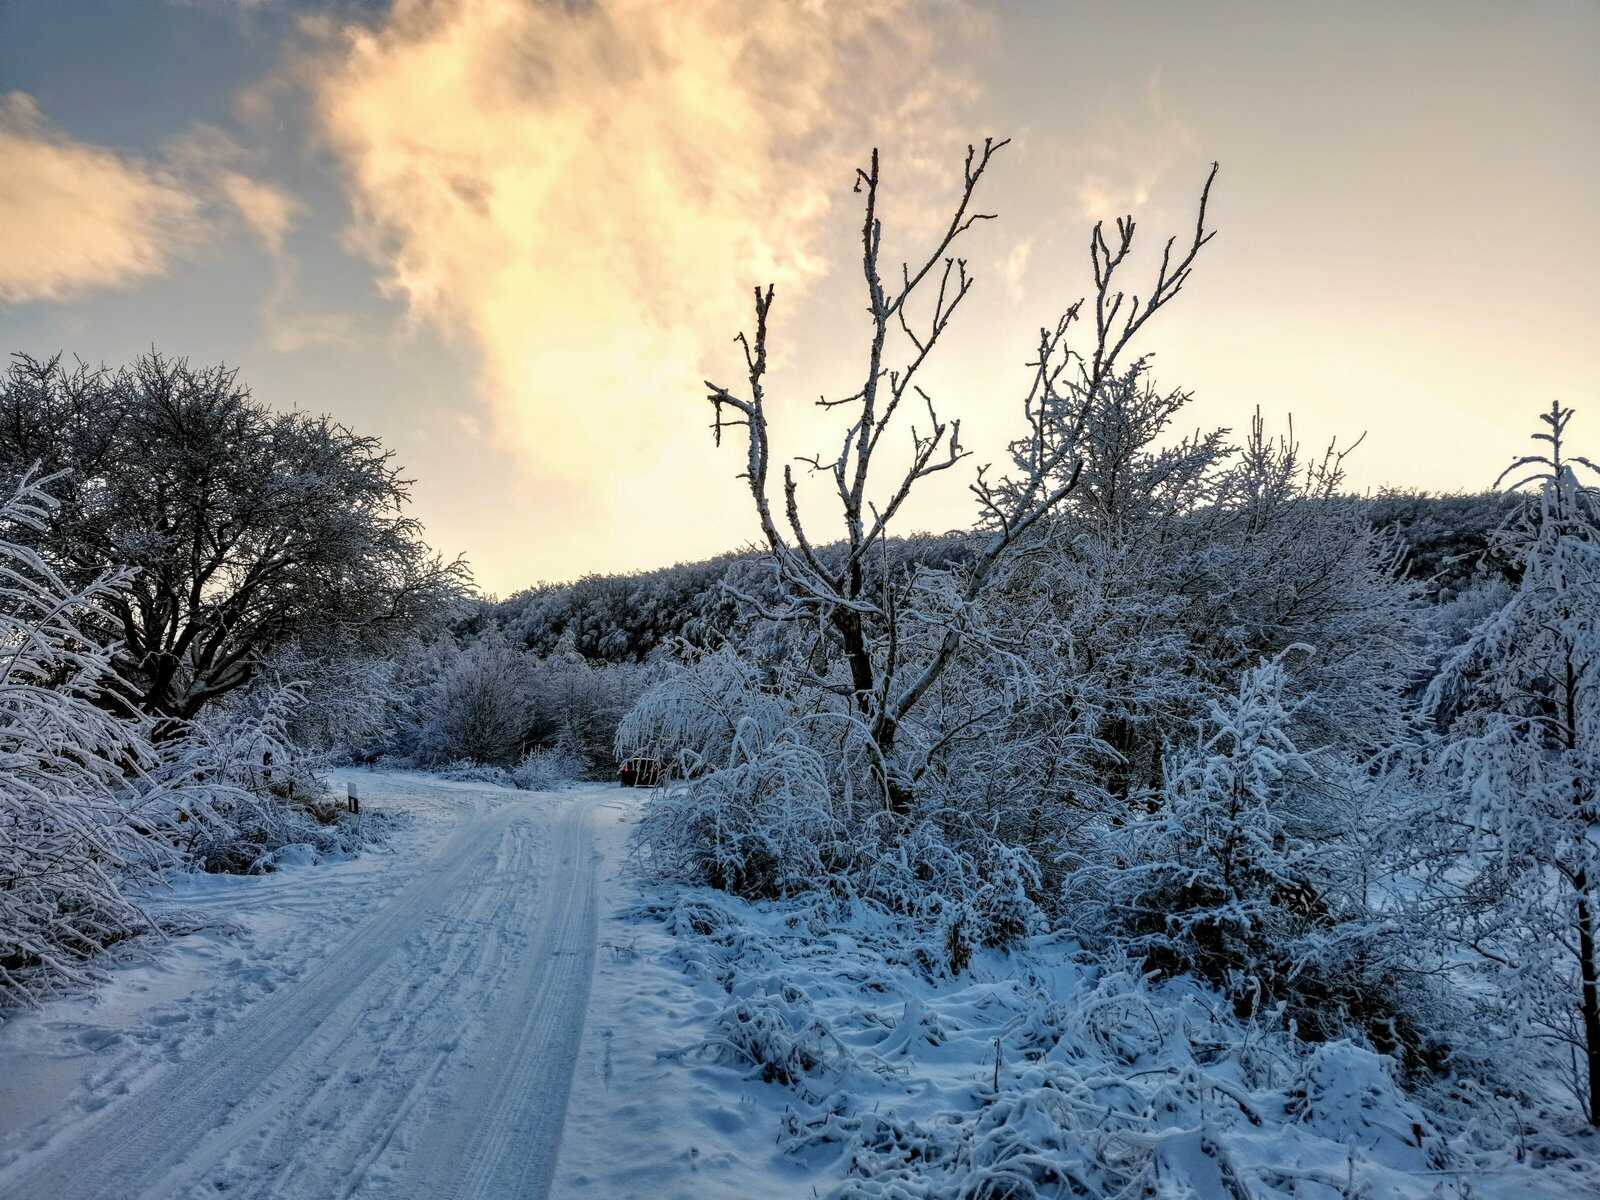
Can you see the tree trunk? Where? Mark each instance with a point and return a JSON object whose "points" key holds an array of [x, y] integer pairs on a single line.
{"points": [[1586, 957], [863, 683], [895, 788], [1591, 999]]}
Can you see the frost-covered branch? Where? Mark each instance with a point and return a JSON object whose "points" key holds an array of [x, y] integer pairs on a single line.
{"points": [[893, 655]]}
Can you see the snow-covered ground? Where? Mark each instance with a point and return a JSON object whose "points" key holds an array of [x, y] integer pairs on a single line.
{"points": [[833, 1056], [491, 1007], [403, 1024], [642, 1122]]}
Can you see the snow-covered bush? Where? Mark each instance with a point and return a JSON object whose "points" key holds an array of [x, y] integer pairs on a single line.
{"points": [[578, 705], [541, 770], [769, 791], [479, 705], [1229, 872], [476, 697], [763, 823], [772, 1031], [1172, 570], [689, 721], [950, 874], [71, 827], [465, 770], [245, 788], [1249, 871], [1514, 854], [346, 702], [1209, 880]]}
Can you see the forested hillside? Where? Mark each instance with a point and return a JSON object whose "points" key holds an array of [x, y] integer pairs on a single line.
{"points": [[629, 618]]}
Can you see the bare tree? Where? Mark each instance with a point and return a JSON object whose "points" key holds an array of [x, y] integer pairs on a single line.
{"points": [[898, 630]]}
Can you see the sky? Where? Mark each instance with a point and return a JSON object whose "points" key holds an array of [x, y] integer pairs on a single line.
{"points": [[513, 238]]}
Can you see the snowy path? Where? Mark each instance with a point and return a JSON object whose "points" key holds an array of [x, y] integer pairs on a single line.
{"points": [[427, 1051]]}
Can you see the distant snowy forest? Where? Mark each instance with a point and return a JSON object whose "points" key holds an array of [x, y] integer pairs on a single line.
{"points": [[1298, 790]]}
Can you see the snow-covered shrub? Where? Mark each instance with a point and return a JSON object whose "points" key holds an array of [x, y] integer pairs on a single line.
{"points": [[578, 705], [542, 770], [772, 1030], [479, 705], [1174, 569], [1513, 844], [346, 701], [770, 792], [465, 770], [950, 874], [763, 824], [1003, 908], [690, 719], [1349, 1095], [1455, 617], [244, 789], [1247, 872], [774, 787], [752, 805], [1223, 877], [476, 696], [70, 825]]}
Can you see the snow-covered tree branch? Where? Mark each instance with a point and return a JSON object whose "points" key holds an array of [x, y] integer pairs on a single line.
{"points": [[897, 633]]}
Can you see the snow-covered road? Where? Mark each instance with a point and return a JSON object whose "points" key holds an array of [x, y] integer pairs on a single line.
{"points": [[424, 1049]]}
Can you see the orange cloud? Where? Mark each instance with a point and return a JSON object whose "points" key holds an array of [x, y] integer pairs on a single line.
{"points": [[1129, 154], [81, 218], [587, 192], [77, 217], [269, 211]]}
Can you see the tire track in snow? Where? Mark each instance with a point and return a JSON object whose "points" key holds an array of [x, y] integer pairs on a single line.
{"points": [[455, 1010], [324, 1149], [503, 1141]]}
